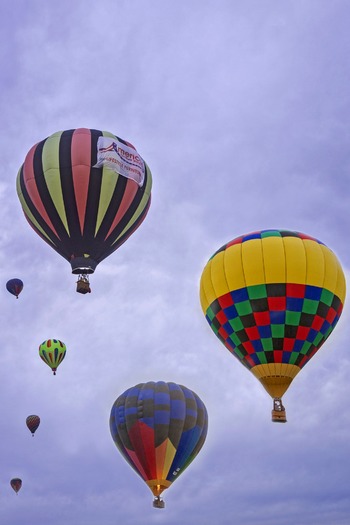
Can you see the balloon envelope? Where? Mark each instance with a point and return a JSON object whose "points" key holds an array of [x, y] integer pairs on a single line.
{"points": [[33, 423], [14, 286], [84, 192], [16, 484], [272, 298], [159, 428], [52, 352]]}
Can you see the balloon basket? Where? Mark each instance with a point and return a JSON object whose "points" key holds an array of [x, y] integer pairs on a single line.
{"points": [[278, 411], [158, 503], [83, 285]]}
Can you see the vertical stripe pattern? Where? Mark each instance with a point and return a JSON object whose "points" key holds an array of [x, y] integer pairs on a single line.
{"points": [[81, 211]]}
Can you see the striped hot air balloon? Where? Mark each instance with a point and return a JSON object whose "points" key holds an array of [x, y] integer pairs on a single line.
{"points": [[159, 428], [272, 298], [33, 422], [84, 192]]}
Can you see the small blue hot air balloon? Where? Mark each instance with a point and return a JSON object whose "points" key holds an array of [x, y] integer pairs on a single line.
{"points": [[14, 286]]}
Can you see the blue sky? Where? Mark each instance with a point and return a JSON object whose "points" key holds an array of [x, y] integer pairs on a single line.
{"points": [[241, 110]]}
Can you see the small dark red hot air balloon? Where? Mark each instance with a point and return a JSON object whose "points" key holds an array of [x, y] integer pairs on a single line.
{"points": [[32, 423], [16, 484]]}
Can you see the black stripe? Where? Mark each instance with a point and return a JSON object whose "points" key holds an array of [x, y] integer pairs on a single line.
{"points": [[107, 249], [70, 204], [54, 239], [64, 244], [93, 196], [125, 219], [114, 205]]}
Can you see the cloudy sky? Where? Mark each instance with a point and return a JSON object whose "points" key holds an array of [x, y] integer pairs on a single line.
{"points": [[241, 110]]}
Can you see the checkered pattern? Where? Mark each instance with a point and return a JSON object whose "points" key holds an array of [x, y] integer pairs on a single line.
{"points": [[274, 323], [264, 234]]}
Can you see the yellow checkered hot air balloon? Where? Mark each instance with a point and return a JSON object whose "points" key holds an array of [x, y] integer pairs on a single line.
{"points": [[272, 298]]}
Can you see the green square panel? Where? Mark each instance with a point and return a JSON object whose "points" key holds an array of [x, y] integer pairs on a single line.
{"points": [[310, 306], [267, 344], [318, 339], [293, 357], [277, 330], [293, 318], [236, 324], [257, 292], [305, 347], [327, 297], [244, 308], [262, 358], [210, 313], [235, 339]]}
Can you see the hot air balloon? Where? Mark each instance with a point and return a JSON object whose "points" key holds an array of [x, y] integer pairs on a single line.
{"points": [[32, 423], [16, 484], [14, 286], [159, 428], [272, 298], [84, 192], [52, 352]]}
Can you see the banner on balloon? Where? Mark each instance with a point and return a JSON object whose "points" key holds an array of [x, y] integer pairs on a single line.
{"points": [[120, 158]]}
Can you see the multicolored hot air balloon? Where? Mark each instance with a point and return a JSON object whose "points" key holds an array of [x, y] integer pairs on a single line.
{"points": [[272, 298], [159, 428], [14, 286], [52, 352], [33, 423], [84, 192], [16, 484]]}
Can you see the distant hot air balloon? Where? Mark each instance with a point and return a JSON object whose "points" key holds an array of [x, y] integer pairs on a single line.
{"points": [[272, 298], [32, 423], [84, 192], [16, 484], [52, 352], [159, 428], [14, 286]]}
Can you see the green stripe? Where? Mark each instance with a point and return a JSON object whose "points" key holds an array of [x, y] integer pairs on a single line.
{"points": [[108, 184], [51, 169]]}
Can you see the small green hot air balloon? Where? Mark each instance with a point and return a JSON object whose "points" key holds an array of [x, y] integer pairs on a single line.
{"points": [[52, 352]]}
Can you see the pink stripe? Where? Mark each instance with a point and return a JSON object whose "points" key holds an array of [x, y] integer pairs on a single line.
{"points": [[129, 195], [32, 189], [81, 164], [137, 464]]}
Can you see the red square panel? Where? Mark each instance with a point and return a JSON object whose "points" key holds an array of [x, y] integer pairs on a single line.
{"points": [[253, 333], [296, 290], [288, 344], [262, 318], [276, 304], [225, 300]]}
